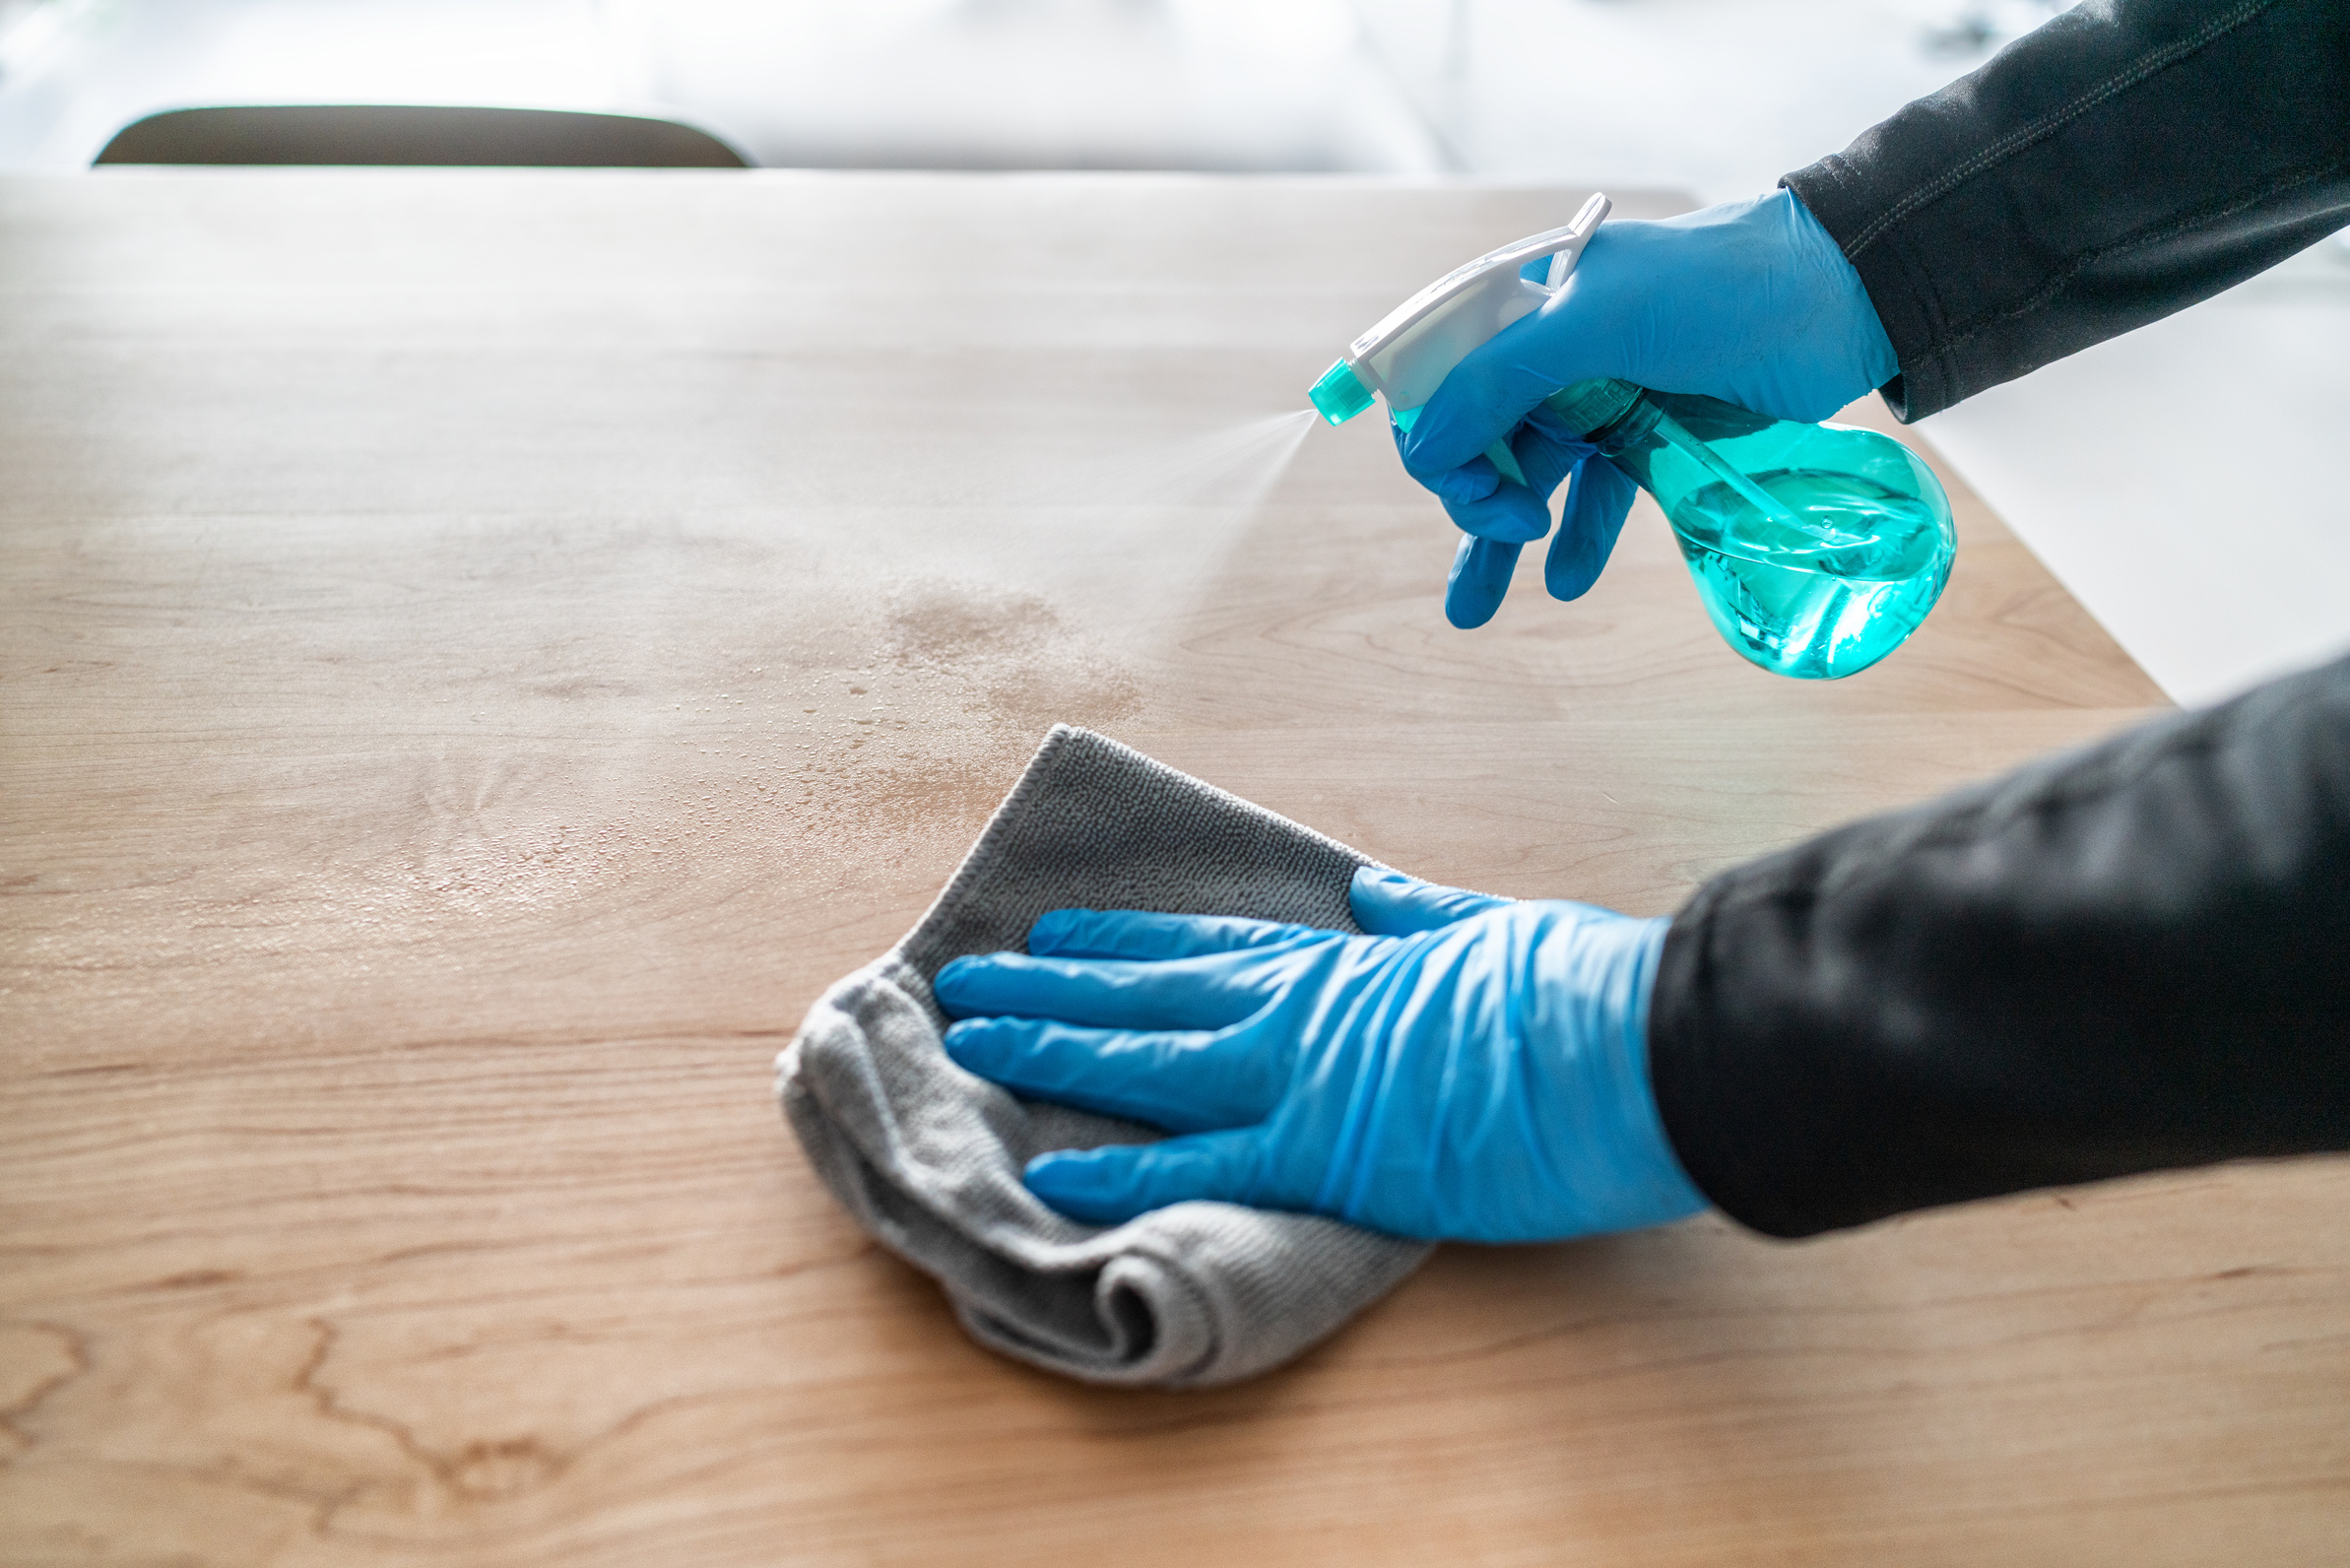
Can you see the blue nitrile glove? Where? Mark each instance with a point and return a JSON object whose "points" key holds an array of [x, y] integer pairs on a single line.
{"points": [[1501, 516], [1751, 302], [1474, 1068]]}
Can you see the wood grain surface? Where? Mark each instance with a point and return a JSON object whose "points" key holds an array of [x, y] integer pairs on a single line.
{"points": [[482, 651]]}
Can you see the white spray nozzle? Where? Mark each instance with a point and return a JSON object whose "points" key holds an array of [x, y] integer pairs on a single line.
{"points": [[1412, 348]]}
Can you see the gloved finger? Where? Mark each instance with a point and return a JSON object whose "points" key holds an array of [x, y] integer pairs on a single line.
{"points": [[1597, 501], [1472, 480], [1111, 1186], [1480, 575], [1137, 934], [1495, 385], [1547, 449], [1511, 516], [1205, 993], [1387, 903], [1186, 1080]]}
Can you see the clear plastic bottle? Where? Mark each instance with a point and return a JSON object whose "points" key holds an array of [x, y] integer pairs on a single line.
{"points": [[1817, 549]]}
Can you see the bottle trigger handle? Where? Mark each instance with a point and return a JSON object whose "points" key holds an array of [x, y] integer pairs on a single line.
{"points": [[1586, 224]]}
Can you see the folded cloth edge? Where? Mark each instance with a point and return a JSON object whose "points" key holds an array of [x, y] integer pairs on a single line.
{"points": [[1193, 1324]]}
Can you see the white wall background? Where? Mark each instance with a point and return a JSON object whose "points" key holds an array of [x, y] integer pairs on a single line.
{"points": [[2191, 483], [1719, 96]]}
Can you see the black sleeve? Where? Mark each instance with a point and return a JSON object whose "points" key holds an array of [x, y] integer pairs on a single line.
{"points": [[2125, 160], [2125, 958]]}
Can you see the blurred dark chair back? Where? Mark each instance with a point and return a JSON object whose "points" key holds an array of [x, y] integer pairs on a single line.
{"points": [[410, 135]]}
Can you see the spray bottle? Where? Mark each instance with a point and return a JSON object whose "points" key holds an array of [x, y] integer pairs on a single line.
{"points": [[1817, 549]]}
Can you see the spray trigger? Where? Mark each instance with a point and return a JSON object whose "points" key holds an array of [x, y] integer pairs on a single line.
{"points": [[1413, 346]]}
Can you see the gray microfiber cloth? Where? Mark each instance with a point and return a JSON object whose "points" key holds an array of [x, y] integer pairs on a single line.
{"points": [[928, 1157]]}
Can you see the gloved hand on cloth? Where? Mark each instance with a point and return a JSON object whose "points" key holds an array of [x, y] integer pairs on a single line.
{"points": [[1474, 1068]]}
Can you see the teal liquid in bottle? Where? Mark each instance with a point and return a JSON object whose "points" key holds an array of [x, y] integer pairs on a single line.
{"points": [[1817, 549]]}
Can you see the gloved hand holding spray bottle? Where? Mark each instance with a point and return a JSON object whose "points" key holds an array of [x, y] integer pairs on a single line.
{"points": [[1816, 548]]}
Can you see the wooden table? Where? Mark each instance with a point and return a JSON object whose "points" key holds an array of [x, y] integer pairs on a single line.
{"points": [[482, 650]]}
